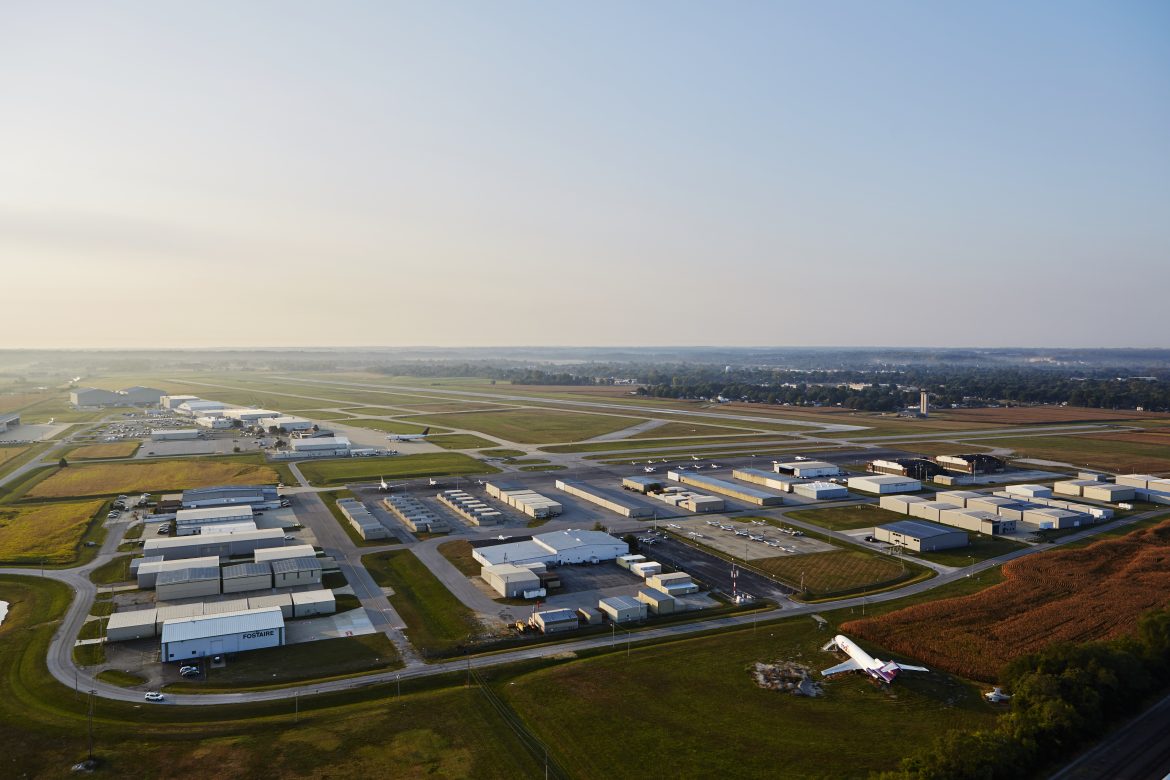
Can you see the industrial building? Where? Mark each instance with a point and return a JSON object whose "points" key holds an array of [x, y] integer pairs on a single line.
{"points": [[629, 559], [187, 583], [659, 602], [806, 469], [739, 492], [930, 510], [9, 421], [977, 520], [251, 416], [884, 484], [976, 463], [623, 609], [920, 536], [1029, 491], [675, 583], [644, 485], [416, 515], [527, 501], [174, 434], [177, 612], [173, 402], [291, 572], [224, 545], [681, 498], [900, 503], [1143, 482], [957, 497], [199, 407], [288, 423], [149, 568], [270, 554], [282, 601], [93, 396], [220, 607], [646, 569], [915, 468], [469, 507], [233, 632], [612, 500], [314, 602], [189, 521], [1095, 490], [244, 577], [321, 447], [821, 491], [768, 479], [127, 626], [362, 520], [512, 581], [256, 496], [558, 547], [1048, 518], [552, 621]]}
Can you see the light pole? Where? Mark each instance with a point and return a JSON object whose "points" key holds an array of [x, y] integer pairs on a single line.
{"points": [[91, 695], [297, 706]]}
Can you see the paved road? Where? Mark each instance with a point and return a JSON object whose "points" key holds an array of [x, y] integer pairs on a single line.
{"points": [[1138, 750]]}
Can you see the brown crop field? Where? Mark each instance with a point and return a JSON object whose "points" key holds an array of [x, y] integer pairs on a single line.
{"points": [[101, 479], [49, 533], [8, 453], [1076, 595], [117, 449], [1042, 415]]}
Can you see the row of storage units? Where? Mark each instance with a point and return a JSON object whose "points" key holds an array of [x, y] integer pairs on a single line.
{"points": [[362, 519], [470, 508], [1097, 513], [739, 492], [820, 491], [415, 514], [527, 501], [193, 577], [147, 623], [612, 500], [189, 522], [678, 497]]}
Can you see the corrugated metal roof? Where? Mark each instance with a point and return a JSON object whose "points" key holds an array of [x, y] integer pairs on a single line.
{"points": [[179, 576], [205, 626], [567, 540], [286, 565], [246, 570], [557, 615], [212, 513], [136, 617], [622, 602], [917, 529], [313, 597]]}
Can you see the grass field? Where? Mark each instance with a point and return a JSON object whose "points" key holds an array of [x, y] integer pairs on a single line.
{"points": [[765, 452], [837, 572], [544, 467], [460, 441], [502, 452], [690, 710], [1067, 595], [686, 429], [119, 677], [436, 730], [458, 552], [979, 548], [437, 623], [1046, 415], [104, 479], [652, 444], [7, 453], [534, 426], [115, 449], [51, 532], [114, 570], [390, 426], [842, 518], [1095, 451], [429, 464]]}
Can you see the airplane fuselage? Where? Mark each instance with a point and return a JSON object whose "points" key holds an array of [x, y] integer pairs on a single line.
{"points": [[876, 668]]}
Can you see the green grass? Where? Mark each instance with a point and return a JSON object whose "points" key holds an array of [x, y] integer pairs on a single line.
{"points": [[545, 467], [89, 655], [980, 548], [121, 678], [835, 573], [430, 464], [117, 449], [1110, 455], [458, 552], [503, 452], [437, 728], [102, 609], [390, 426], [112, 571], [460, 441], [691, 706], [277, 667], [841, 518], [50, 533], [437, 623], [657, 444], [534, 426]]}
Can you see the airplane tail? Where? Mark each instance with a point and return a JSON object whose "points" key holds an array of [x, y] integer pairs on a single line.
{"points": [[426, 430], [830, 645]]}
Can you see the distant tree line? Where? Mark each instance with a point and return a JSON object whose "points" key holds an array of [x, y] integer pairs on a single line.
{"points": [[1063, 698]]}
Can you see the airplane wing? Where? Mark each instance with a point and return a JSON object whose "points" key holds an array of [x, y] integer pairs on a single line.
{"points": [[848, 666], [909, 668]]}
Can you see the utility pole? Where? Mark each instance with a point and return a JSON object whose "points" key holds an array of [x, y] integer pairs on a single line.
{"points": [[297, 705], [91, 695]]}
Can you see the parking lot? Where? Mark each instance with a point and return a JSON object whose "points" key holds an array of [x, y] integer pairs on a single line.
{"points": [[747, 541], [712, 571], [584, 585]]}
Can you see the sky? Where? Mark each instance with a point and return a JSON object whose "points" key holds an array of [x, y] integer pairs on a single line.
{"points": [[604, 173]]}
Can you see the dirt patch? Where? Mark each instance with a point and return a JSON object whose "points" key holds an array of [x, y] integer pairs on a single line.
{"points": [[785, 676]]}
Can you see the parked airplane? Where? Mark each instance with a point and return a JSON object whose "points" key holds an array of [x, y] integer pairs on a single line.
{"points": [[409, 436], [649, 469], [859, 660], [694, 457], [51, 421], [386, 487]]}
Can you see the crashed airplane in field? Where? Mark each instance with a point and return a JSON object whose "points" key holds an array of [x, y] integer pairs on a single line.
{"points": [[859, 660]]}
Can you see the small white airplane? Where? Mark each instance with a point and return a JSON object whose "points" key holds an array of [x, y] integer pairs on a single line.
{"points": [[433, 482], [410, 436], [51, 421], [859, 660], [694, 457], [649, 469], [386, 487], [713, 466]]}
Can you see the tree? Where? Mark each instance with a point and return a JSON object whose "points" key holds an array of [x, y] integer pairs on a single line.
{"points": [[62, 463]]}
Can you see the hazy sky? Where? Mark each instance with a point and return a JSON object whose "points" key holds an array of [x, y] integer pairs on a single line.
{"points": [[873, 173]]}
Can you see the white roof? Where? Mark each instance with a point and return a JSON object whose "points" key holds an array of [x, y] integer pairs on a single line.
{"points": [[323, 443], [884, 479], [206, 626], [212, 513], [162, 545], [313, 597], [156, 566], [279, 553], [136, 617], [526, 550], [567, 540]]}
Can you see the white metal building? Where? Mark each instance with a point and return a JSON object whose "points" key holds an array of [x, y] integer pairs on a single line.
{"points": [[187, 583], [248, 416], [229, 545], [174, 434], [244, 577], [806, 469], [920, 536], [510, 580], [552, 621], [821, 491], [269, 554], [623, 609], [769, 479], [674, 583], [136, 624], [148, 571], [613, 500], [321, 447], [557, 547], [1029, 491], [659, 602], [282, 601], [362, 519], [257, 496], [173, 401], [314, 602], [288, 572], [189, 521], [213, 423], [884, 484], [288, 423], [233, 632]]}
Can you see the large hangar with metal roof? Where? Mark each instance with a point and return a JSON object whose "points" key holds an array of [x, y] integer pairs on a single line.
{"points": [[230, 632]]}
